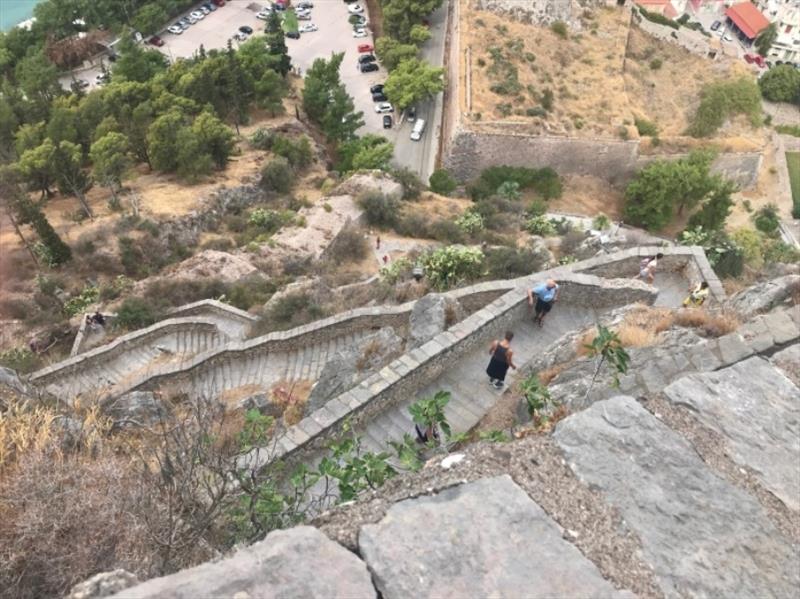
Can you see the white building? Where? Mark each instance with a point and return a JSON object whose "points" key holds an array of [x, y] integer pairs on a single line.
{"points": [[786, 16]]}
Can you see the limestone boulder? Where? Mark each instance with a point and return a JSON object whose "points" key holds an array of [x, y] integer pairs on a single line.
{"points": [[214, 264], [353, 364], [299, 562], [137, 408], [103, 585], [375, 181], [702, 536], [431, 315], [788, 360], [762, 297], [481, 539]]}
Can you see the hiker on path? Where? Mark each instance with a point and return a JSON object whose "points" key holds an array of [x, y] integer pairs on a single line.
{"points": [[546, 295], [698, 294], [647, 268], [502, 358]]}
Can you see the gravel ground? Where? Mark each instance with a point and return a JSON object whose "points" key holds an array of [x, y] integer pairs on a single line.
{"points": [[539, 468], [710, 446]]}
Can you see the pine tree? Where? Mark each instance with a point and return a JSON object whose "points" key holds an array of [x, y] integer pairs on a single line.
{"points": [[276, 41]]}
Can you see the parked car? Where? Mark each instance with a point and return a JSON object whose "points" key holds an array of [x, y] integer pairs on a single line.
{"points": [[411, 114], [376, 89], [175, 29], [365, 58], [198, 14], [295, 35], [246, 29], [379, 97], [305, 4], [716, 25], [304, 17], [727, 38], [302, 11], [365, 48], [204, 9], [210, 6], [102, 79], [418, 130], [190, 19], [384, 107], [387, 121], [369, 67], [359, 33], [81, 83], [240, 37], [264, 14], [219, 3], [308, 28], [355, 9], [185, 22], [155, 41], [359, 22]]}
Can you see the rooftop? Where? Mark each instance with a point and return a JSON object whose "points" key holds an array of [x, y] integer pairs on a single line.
{"points": [[747, 18]]}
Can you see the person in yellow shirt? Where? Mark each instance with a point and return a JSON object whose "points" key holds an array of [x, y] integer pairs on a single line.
{"points": [[697, 295]]}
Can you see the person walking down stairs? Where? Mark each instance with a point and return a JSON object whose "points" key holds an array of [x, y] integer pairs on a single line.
{"points": [[698, 294], [502, 358], [546, 295], [647, 268]]}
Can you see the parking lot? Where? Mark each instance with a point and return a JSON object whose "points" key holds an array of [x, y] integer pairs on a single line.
{"points": [[335, 34]]}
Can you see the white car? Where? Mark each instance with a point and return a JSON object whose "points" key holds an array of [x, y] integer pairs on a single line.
{"points": [[359, 33], [198, 14], [308, 28], [204, 9], [383, 107], [175, 29], [263, 15], [355, 9], [240, 36], [304, 16], [302, 12]]}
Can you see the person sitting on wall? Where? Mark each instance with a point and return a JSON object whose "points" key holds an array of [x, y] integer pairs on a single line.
{"points": [[698, 294]]}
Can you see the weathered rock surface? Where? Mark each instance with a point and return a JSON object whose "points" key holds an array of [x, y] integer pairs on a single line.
{"points": [[262, 403], [430, 316], [217, 265], [757, 409], [313, 287], [703, 536], [297, 563], [103, 585], [137, 408], [353, 364], [762, 297], [482, 539], [370, 182], [788, 360]]}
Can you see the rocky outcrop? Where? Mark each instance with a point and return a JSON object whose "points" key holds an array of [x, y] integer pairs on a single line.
{"points": [[481, 539], [353, 364], [136, 409], [103, 585], [215, 264], [757, 410], [788, 360], [431, 315], [375, 181], [301, 562], [702, 535], [765, 296]]}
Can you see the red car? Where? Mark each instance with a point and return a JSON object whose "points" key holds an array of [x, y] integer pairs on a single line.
{"points": [[365, 48], [219, 2], [755, 58], [155, 41]]}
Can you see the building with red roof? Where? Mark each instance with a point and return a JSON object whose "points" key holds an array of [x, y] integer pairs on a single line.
{"points": [[746, 20]]}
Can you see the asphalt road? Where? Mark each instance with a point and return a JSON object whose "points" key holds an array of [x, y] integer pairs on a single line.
{"points": [[335, 34]]}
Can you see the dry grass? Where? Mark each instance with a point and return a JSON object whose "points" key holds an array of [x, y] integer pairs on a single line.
{"points": [[710, 324], [640, 327], [291, 398], [548, 374]]}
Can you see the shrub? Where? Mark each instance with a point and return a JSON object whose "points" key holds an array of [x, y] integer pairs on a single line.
{"points": [[446, 231], [449, 266], [298, 153], [781, 83], [656, 64], [277, 175], [540, 225], [507, 263], [136, 313], [767, 220], [793, 130], [536, 208], [645, 127], [269, 221], [544, 181], [380, 210], [470, 222], [726, 258], [547, 99], [442, 182], [290, 311], [656, 17], [20, 359], [413, 225], [719, 101], [349, 246], [560, 29], [601, 222], [79, 303], [412, 186], [751, 242], [396, 271], [262, 139]]}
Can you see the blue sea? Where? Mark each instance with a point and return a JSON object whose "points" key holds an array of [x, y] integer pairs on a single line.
{"points": [[13, 12]]}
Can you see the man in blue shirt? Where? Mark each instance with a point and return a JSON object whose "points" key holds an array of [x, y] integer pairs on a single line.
{"points": [[546, 295]]}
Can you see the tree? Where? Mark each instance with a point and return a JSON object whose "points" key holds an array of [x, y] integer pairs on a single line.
{"points": [[70, 176], [442, 182], [341, 122], [781, 83], [766, 38], [193, 160], [419, 34], [400, 16], [214, 138], [715, 210], [240, 89], [38, 79], [150, 18], [392, 53], [63, 124], [270, 91], [36, 167], [136, 63], [323, 87], [277, 175], [28, 136], [368, 152], [162, 140], [278, 52], [413, 80], [109, 156], [664, 186], [8, 125]]}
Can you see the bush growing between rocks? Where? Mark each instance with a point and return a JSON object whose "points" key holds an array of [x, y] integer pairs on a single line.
{"points": [[540, 225], [766, 220], [453, 265], [350, 245], [412, 186], [544, 181], [277, 175], [470, 222], [508, 263], [290, 311], [380, 210], [136, 313]]}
